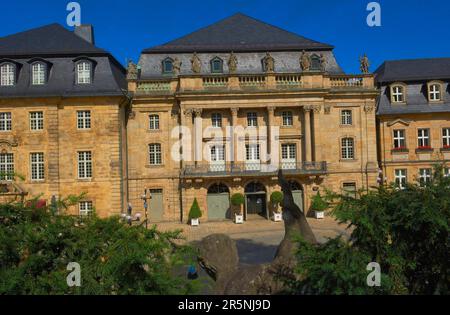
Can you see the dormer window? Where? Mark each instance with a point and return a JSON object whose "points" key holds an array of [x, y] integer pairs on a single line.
{"points": [[398, 93], [217, 65], [38, 73], [315, 63], [435, 92], [84, 72], [7, 74], [167, 65]]}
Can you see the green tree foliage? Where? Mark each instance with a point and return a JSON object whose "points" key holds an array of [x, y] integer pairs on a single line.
{"points": [[237, 199], [318, 203], [195, 212], [276, 197], [405, 231], [36, 246]]}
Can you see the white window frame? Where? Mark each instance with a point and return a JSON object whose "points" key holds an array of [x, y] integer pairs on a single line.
{"points": [[8, 74], [86, 208], [38, 73], [398, 94], [84, 72], [348, 148], [435, 92], [252, 157], [216, 120], [252, 119], [85, 164], [7, 166], [37, 163], [84, 119], [423, 137], [37, 121], [154, 122], [155, 154], [346, 117], [5, 122], [288, 119], [446, 137], [288, 156], [399, 138], [401, 178], [425, 175]]}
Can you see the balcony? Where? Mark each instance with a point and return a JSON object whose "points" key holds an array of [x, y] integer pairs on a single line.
{"points": [[252, 82], [252, 169]]}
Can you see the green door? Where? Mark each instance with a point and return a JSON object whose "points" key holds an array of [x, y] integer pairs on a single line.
{"points": [[156, 206], [218, 206], [298, 198]]}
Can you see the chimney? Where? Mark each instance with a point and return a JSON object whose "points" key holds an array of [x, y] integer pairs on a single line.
{"points": [[86, 32]]}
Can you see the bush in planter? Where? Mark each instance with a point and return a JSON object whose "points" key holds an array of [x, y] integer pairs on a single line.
{"points": [[318, 204], [195, 212], [276, 198], [238, 200]]}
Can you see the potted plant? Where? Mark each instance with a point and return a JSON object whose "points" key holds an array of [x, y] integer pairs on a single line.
{"points": [[195, 213], [276, 198], [238, 200], [319, 206]]}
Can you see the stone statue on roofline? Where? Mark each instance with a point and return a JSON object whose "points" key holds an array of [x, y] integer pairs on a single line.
{"points": [[305, 61], [269, 63], [196, 63], [232, 63], [132, 71], [365, 64], [323, 62], [176, 66]]}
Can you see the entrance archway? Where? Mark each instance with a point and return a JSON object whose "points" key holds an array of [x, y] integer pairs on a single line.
{"points": [[218, 201], [297, 193], [256, 200]]}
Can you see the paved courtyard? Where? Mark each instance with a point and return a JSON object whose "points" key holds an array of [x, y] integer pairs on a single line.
{"points": [[258, 239]]}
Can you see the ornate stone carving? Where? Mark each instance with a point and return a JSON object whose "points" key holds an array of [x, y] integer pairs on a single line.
{"points": [[368, 108], [234, 111], [196, 63], [271, 109], [132, 71], [188, 112], [6, 143], [327, 109], [307, 108], [364, 64], [131, 115], [323, 62], [232, 63], [176, 66], [317, 109], [305, 61], [269, 63], [198, 112]]}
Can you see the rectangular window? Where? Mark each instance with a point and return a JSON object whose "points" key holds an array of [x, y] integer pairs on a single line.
{"points": [[154, 122], [38, 73], [8, 75], [288, 119], [218, 153], [446, 138], [37, 166], [346, 118], [252, 152], [349, 189], [7, 166], [435, 92], [397, 94], [155, 154], [348, 149], [84, 119], [216, 120], [85, 165], [86, 208], [37, 121], [399, 139], [84, 72], [252, 119], [5, 122], [401, 178], [288, 156], [423, 137], [425, 176]]}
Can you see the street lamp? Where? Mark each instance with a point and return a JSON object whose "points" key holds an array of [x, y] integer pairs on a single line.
{"points": [[128, 217], [145, 198]]}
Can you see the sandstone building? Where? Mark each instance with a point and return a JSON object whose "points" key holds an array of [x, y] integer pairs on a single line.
{"points": [[413, 118], [62, 119], [244, 73]]}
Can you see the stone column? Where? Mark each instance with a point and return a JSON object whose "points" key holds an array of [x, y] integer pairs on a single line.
{"points": [[307, 136], [234, 143], [316, 111], [198, 135], [270, 122]]}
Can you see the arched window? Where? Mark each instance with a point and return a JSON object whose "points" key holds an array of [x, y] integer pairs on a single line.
{"points": [[217, 65], [84, 72], [255, 187], [154, 122], [167, 65], [315, 62], [7, 74], [38, 73], [218, 189]]}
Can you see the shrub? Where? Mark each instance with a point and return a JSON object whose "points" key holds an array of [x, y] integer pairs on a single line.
{"points": [[318, 204], [276, 197], [237, 199], [195, 212]]}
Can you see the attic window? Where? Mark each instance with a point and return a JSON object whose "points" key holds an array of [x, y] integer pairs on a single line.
{"points": [[398, 93], [315, 63], [435, 92], [167, 65], [8, 74], [39, 73], [84, 72], [217, 65]]}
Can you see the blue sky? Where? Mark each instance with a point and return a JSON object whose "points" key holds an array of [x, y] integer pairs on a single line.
{"points": [[410, 29]]}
